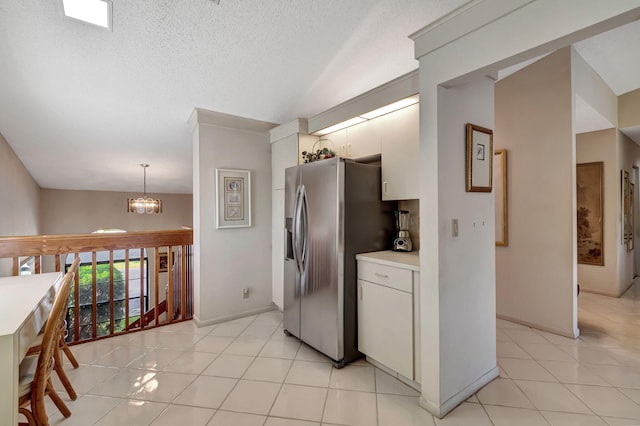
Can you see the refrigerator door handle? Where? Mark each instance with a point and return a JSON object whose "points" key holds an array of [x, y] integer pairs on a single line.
{"points": [[297, 231], [305, 229]]}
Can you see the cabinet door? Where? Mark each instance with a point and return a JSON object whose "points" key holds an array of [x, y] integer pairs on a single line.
{"points": [[284, 154], [385, 326], [400, 142], [278, 247], [363, 139]]}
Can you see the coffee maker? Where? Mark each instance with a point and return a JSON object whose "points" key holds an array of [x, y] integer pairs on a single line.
{"points": [[403, 240]]}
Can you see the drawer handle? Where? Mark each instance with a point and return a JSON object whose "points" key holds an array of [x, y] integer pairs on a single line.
{"points": [[381, 275]]}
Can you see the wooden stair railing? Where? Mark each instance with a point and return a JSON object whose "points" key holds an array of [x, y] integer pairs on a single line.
{"points": [[150, 315], [117, 289]]}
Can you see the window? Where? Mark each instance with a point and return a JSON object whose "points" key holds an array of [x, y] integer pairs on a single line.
{"points": [[136, 294]]}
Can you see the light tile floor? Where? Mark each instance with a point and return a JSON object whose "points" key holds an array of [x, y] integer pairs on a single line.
{"points": [[247, 372]]}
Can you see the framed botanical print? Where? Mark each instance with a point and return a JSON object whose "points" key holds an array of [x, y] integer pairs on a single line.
{"points": [[233, 198]]}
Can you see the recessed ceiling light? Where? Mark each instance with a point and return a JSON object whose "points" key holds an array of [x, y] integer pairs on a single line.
{"points": [[96, 12]]}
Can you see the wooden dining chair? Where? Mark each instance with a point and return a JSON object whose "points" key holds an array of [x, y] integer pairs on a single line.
{"points": [[62, 347], [35, 371]]}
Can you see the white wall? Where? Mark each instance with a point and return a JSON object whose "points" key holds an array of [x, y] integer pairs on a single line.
{"points": [[467, 262], [19, 200], [628, 156], [77, 212], [458, 273], [592, 147], [536, 273], [228, 260]]}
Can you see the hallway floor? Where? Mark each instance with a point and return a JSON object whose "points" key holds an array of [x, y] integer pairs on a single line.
{"points": [[247, 372]]}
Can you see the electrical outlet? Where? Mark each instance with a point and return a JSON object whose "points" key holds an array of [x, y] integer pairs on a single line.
{"points": [[245, 293]]}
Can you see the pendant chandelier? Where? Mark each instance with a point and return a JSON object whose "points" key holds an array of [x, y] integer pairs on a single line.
{"points": [[144, 204]]}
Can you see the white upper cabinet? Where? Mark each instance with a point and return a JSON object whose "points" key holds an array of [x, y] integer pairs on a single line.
{"points": [[363, 140], [400, 144], [360, 140], [283, 154]]}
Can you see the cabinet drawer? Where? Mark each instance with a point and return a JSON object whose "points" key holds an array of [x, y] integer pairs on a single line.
{"points": [[389, 276]]}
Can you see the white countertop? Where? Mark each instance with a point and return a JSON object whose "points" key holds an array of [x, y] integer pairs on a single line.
{"points": [[20, 296], [407, 260]]}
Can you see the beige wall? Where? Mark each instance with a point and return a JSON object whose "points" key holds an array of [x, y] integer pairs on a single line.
{"points": [[19, 199], [536, 272], [629, 109], [77, 212], [593, 147], [18, 195], [228, 260]]}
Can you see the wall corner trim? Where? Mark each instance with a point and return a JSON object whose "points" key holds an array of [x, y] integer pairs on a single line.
{"points": [[462, 21], [441, 410]]}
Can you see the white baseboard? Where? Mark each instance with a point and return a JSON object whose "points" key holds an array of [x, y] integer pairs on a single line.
{"points": [[407, 381], [604, 293], [540, 327], [441, 410], [218, 320]]}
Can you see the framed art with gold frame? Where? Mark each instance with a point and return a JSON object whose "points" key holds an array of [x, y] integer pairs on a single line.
{"points": [[500, 188], [479, 161], [630, 237], [590, 213]]}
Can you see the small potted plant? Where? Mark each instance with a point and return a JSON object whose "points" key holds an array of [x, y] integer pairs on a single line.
{"points": [[316, 154]]}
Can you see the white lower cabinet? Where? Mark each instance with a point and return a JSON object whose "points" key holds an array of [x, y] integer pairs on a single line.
{"points": [[385, 326], [387, 314]]}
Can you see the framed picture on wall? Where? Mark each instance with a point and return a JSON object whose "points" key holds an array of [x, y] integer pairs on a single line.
{"points": [[500, 187], [590, 221], [479, 161], [625, 205], [163, 261], [630, 237], [233, 198]]}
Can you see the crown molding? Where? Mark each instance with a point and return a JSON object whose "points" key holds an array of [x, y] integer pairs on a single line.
{"points": [[462, 21], [297, 126], [201, 116]]}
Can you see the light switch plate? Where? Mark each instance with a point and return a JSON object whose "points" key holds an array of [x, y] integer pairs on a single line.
{"points": [[454, 227]]}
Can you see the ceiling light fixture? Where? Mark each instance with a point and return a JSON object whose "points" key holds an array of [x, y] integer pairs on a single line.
{"points": [[402, 103], [144, 204], [96, 12]]}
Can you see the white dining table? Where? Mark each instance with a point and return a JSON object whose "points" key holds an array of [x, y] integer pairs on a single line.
{"points": [[25, 304]]}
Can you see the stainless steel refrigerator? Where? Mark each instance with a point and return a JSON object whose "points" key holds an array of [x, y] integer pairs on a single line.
{"points": [[333, 210]]}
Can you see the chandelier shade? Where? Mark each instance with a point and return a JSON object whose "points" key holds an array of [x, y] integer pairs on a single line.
{"points": [[144, 204]]}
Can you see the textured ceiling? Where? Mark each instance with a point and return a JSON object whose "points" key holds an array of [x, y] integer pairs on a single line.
{"points": [[82, 106]]}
